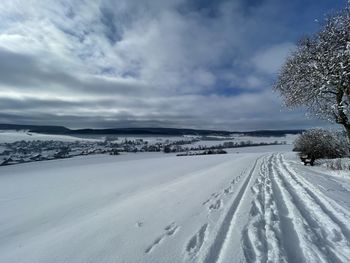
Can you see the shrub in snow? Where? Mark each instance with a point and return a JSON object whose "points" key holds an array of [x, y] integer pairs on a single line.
{"points": [[114, 152], [63, 152], [335, 164], [339, 164], [319, 143], [167, 149]]}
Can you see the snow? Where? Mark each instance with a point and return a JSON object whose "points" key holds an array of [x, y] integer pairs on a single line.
{"points": [[258, 205], [9, 136]]}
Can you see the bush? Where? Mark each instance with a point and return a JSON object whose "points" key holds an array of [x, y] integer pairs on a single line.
{"points": [[336, 164], [320, 143], [114, 152], [167, 149]]}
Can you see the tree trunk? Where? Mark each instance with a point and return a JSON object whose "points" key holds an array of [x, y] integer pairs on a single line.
{"points": [[347, 128], [342, 117]]}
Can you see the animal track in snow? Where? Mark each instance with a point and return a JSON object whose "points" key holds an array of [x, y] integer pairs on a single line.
{"points": [[228, 190], [215, 195], [205, 202], [216, 205], [170, 230], [215, 201], [212, 197]]}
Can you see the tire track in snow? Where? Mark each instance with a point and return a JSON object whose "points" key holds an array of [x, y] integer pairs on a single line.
{"points": [[314, 232], [341, 186], [294, 235], [332, 234], [217, 247], [337, 213]]}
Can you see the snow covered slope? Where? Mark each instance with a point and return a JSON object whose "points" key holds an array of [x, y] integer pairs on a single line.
{"points": [[9, 136], [244, 207]]}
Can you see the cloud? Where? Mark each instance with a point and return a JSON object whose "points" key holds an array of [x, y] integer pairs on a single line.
{"points": [[271, 59], [178, 63]]}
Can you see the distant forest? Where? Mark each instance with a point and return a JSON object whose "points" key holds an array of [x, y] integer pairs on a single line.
{"points": [[143, 131]]}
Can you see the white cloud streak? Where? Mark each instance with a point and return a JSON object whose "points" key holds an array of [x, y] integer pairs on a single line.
{"points": [[118, 62]]}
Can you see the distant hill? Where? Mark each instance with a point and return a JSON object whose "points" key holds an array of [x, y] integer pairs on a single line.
{"points": [[141, 131], [36, 128], [270, 133]]}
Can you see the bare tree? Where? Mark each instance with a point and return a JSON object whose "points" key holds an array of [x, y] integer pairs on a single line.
{"points": [[317, 74]]}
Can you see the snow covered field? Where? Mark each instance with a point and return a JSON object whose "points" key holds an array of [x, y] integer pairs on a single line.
{"points": [[22, 146], [258, 205], [8, 136]]}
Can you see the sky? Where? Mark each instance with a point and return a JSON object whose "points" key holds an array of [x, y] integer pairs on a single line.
{"points": [[151, 63]]}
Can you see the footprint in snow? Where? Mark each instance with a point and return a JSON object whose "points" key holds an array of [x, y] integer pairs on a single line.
{"points": [[195, 243], [170, 230]]}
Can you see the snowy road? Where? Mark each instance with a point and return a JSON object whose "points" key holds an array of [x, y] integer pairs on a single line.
{"points": [[251, 207]]}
